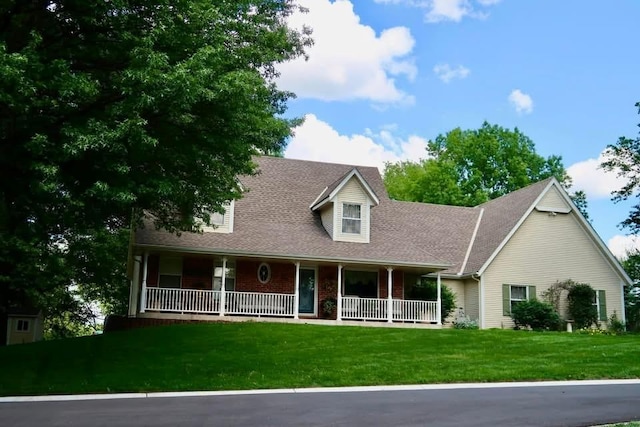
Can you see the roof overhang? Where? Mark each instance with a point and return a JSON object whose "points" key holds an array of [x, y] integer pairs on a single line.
{"points": [[321, 201]]}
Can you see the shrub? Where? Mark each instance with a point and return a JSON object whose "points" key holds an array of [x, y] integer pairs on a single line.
{"points": [[537, 315], [616, 326], [329, 306], [465, 323], [581, 308], [427, 290]]}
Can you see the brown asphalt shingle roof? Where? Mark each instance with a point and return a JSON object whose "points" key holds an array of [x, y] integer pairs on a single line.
{"points": [[274, 219]]}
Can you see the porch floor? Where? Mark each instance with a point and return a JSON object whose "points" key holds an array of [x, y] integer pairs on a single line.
{"points": [[310, 321]]}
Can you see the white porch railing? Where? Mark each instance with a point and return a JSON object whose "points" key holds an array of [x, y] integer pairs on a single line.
{"points": [[364, 308], [415, 311], [208, 302], [183, 300], [260, 304], [377, 308]]}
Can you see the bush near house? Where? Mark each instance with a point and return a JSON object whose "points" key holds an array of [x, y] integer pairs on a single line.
{"points": [[535, 314], [582, 310], [427, 290]]}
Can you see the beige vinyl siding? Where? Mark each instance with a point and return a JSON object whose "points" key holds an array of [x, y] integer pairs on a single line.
{"points": [[553, 200], [227, 225], [352, 192], [471, 299], [545, 249], [326, 215], [458, 288]]}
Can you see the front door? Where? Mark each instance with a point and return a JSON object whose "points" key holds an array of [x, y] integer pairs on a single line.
{"points": [[307, 301]]}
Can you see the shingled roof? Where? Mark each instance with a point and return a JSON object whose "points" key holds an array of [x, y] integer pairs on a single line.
{"points": [[274, 219]]}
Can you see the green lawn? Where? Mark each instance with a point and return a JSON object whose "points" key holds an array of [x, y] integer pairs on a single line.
{"points": [[220, 356]]}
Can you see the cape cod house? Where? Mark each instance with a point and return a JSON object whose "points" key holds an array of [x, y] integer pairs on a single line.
{"points": [[309, 232]]}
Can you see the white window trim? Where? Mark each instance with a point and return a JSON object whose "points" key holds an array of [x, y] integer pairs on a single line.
{"points": [[511, 299], [597, 303], [359, 205]]}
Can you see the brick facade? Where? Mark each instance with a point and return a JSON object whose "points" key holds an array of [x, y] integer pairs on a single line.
{"points": [[282, 277]]}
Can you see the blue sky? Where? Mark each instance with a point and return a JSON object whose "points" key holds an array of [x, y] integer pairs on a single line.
{"points": [[385, 76]]}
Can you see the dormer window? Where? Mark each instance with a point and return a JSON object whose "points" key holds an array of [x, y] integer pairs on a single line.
{"points": [[351, 218], [217, 218], [221, 222]]}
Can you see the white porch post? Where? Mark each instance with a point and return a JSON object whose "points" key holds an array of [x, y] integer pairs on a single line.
{"points": [[339, 299], [143, 297], [222, 286], [389, 294], [296, 293], [438, 306], [133, 290]]}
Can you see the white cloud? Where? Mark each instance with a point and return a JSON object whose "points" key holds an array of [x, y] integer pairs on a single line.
{"points": [[348, 59], [621, 245], [447, 10], [446, 73], [521, 101], [595, 181], [317, 140]]}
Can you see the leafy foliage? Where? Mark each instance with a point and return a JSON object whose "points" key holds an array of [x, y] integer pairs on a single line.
{"points": [[470, 167], [581, 308], [427, 290], [623, 158], [535, 314], [631, 265], [112, 109]]}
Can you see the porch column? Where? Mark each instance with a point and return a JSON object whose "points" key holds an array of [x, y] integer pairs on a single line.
{"points": [[339, 299], [222, 286], [389, 294], [296, 293], [133, 290], [143, 297], [438, 305]]}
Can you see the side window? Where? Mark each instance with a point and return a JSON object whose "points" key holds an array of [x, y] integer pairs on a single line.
{"points": [[512, 295], [600, 302]]}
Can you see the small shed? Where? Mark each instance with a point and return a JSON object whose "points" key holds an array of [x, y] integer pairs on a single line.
{"points": [[23, 325]]}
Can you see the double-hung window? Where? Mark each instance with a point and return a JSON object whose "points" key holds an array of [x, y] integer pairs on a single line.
{"points": [[351, 218], [512, 295], [229, 276], [170, 274]]}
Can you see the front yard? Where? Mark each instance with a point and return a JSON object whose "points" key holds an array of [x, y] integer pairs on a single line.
{"points": [[262, 355]]}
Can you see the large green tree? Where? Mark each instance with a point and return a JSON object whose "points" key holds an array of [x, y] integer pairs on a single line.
{"points": [[623, 158], [112, 108], [470, 167]]}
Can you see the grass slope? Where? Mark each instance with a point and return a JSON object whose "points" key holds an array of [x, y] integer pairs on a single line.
{"points": [[262, 355]]}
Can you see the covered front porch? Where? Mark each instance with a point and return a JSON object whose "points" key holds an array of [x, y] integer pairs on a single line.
{"points": [[345, 289]]}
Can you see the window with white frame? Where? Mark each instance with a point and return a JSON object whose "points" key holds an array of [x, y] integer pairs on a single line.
{"points": [[170, 272], [363, 284], [351, 218], [600, 303], [217, 218], [518, 294], [22, 325], [230, 276]]}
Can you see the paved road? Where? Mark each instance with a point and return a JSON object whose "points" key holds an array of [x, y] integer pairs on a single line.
{"points": [[527, 406]]}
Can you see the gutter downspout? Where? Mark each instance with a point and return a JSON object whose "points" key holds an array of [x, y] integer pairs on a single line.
{"points": [[480, 279]]}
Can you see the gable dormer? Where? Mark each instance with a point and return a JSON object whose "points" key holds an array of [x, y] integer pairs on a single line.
{"points": [[345, 208], [221, 222]]}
